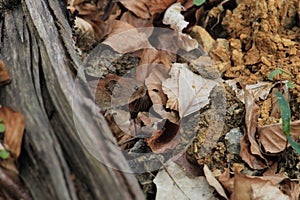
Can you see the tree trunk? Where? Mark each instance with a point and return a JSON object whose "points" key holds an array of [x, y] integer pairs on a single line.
{"points": [[63, 138]]}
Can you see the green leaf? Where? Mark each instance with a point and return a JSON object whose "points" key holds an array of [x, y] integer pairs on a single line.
{"points": [[290, 85], [2, 128], [295, 145], [277, 72], [1, 120], [285, 113], [198, 2], [274, 73], [4, 154]]}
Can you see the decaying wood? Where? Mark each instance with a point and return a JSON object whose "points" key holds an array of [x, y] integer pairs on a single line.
{"points": [[62, 139]]}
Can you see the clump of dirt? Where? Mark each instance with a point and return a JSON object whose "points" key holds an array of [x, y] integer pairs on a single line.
{"points": [[263, 36]]}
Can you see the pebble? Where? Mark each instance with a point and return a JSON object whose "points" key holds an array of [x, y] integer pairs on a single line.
{"points": [[232, 141]]}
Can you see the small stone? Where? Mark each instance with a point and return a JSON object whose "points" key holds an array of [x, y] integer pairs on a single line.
{"points": [[203, 38], [232, 141]]}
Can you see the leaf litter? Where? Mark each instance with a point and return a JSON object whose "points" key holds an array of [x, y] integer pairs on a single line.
{"points": [[171, 90]]}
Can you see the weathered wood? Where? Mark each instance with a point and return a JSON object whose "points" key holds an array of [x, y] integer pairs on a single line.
{"points": [[63, 136]]}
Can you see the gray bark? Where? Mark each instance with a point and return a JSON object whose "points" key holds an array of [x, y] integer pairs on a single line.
{"points": [[37, 48]]}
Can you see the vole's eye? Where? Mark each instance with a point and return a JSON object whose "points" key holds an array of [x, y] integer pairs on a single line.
{"points": [[136, 87]]}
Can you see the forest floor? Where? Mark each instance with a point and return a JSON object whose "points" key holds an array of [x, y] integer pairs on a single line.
{"points": [[144, 74]]}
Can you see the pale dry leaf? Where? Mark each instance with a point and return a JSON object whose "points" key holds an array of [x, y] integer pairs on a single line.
{"points": [[174, 18], [212, 181], [260, 90], [186, 91], [173, 183], [251, 187], [135, 21], [122, 119], [125, 38], [273, 139], [186, 43], [151, 59], [154, 85]]}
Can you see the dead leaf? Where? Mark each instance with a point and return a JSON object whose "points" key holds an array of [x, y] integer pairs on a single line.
{"points": [[92, 14], [154, 84], [4, 75], [227, 181], [173, 183], [212, 181], [145, 9], [260, 90], [253, 161], [135, 21], [251, 118], [186, 43], [14, 123], [174, 18], [250, 187], [139, 8], [158, 6], [166, 139], [191, 169], [273, 139], [151, 59], [134, 41], [186, 91]]}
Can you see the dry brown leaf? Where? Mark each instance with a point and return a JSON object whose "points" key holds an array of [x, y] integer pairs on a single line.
{"points": [[158, 6], [114, 91], [212, 181], [173, 183], [4, 75], [186, 91], [14, 123], [119, 134], [91, 14], [253, 161], [145, 9], [227, 181], [125, 38], [138, 7], [191, 169], [135, 21], [154, 84], [273, 139], [149, 58], [251, 118], [165, 139], [251, 187]]}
